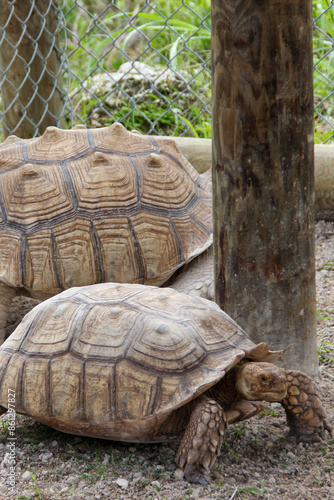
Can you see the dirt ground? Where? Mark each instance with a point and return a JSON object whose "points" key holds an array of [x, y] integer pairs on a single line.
{"points": [[258, 460]]}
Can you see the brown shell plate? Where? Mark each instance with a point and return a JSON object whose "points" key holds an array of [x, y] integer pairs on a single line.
{"points": [[83, 206], [113, 360]]}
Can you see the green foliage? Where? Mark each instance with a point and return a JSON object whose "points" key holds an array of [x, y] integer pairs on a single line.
{"points": [[326, 348], [256, 492], [102, 36], [323, 55], [4, 430]]}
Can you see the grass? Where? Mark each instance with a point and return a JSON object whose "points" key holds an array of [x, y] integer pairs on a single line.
{"points": [[171, 35], [325, 349]]}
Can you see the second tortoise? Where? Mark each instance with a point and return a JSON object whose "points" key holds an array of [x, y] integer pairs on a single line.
{"points": [[145, 364]]}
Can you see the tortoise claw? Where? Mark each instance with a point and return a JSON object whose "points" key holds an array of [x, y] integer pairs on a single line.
{"points": [[197, 474]]}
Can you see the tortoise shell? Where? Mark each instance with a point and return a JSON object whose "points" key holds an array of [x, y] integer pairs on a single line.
{"points": [[86, 206], [114, 360]]}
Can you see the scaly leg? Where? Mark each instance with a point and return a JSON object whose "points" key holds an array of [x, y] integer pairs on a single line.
{"points": [[7, 294], [202, 440], [305, 414], [242, 410]]}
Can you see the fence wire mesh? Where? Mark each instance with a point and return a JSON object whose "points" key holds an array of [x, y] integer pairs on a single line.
{"points": [[145, 64]]}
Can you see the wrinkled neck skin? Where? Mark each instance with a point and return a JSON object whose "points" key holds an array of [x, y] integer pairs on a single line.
{"points": [[225, 391]]}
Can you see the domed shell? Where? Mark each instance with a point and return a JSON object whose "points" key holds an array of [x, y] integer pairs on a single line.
{"points": [[85, 206], [113, 360]]}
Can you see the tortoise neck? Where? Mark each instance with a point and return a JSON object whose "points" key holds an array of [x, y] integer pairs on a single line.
{"points": [[225, 391]]}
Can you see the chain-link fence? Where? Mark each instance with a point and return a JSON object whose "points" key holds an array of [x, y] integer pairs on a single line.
{"points": [[145, 64]]}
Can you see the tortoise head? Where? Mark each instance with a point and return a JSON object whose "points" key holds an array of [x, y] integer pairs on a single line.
{"points": [[261, 382]]}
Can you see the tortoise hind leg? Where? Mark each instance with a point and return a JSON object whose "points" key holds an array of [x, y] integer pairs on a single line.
{"points": [[202, 440], [7, 294], [305, 414]]}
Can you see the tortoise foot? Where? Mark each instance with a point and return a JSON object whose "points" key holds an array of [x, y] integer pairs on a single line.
{"points": [[197, 474], [306, 416], [202, 441]]}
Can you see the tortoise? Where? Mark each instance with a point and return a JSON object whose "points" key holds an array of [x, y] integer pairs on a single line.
{"points": [[85, 206], [139, 363]]}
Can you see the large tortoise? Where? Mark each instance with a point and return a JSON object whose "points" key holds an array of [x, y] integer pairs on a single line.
{"points": [[81, 206], [141, 363]]}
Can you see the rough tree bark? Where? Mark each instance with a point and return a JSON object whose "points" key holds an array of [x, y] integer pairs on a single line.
{"points": [[199, 153], [29, 58], [263, 172]]}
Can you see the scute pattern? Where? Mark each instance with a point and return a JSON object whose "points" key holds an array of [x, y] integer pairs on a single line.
{"points": [[93, 348], [84, 206]]}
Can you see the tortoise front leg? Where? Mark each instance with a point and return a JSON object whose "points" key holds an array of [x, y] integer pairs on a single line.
{"points": [[202, 440], [7, 293], [305, 414]]}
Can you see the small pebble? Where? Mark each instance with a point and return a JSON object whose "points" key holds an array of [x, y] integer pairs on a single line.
{"points": [[3, 488], [178, 474], [26, 476], [64, 490], [156, 485], [122, 483], [7, 460], [45, 456]]}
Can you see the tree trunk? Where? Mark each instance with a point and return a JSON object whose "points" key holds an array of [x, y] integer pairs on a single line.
{"points": [[263, 173], [30, 65], [199, 153]]}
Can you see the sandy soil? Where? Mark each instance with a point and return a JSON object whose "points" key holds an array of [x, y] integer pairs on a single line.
{"points": [[258, 460]]}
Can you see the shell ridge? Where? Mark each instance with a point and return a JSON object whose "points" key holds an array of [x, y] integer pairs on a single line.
{"points": [[91, 140], [141, 264], [157, 395], [178, 239], [69, 185], [97, 251], [138, 182], [104, 213], [22, 392], [2, 207], [4, 368], [49, 390], [24, 149], [23, 259], [207, 230], [56, 260], [154, 143], [171, 157]]}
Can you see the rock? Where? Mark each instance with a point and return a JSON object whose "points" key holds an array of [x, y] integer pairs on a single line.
{"points": [[7, 460], [64, 490], [156, 485], [122, 483], [45, 456], [178, 474], [26, 476]]}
